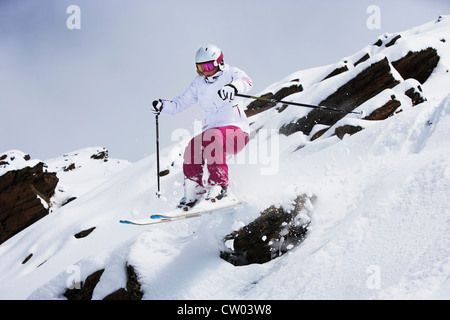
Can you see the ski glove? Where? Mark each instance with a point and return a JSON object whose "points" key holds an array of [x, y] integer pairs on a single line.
{"points": [[227, 92], [157, 106]]}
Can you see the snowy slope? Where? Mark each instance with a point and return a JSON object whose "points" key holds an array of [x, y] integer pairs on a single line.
{"points": [[380, 227]]}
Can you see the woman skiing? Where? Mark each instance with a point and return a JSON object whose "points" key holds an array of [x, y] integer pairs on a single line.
{"points": [[225, 128]]}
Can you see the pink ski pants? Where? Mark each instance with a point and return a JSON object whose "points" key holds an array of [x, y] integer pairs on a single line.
{"points": [[211, 147]]}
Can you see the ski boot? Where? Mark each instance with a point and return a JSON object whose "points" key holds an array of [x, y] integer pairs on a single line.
{"points": [[193, 193], [216, 193]]}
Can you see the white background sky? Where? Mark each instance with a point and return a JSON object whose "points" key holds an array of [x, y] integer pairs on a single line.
{"points": [[63, 90]]}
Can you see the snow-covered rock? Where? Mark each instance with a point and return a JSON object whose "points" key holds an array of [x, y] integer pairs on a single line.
{"points": [[30, 188]]}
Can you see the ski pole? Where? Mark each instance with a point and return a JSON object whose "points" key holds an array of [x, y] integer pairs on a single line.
{"points": [[361, 113], [157, 156]]}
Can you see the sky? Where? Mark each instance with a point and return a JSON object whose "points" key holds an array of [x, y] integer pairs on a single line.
{"points": [[66, 86]]}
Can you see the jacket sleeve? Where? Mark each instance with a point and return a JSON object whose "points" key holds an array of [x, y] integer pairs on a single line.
{"points": [[182, 102], [241, 81]]}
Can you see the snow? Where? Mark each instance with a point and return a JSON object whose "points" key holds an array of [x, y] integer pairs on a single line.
{"points": [[16, 161], [380, 228], [87, 173]]}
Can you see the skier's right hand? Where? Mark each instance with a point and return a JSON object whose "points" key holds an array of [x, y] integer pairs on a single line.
{"points": [[157, 106]]}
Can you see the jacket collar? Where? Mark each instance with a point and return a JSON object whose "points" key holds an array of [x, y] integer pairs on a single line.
{"points": [[216, 76], [213, 78]]}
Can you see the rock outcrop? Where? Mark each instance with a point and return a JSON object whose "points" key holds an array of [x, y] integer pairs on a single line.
{"points": [[381, 75], [258, 106], [24, 197], [272, 234], [84, 290], [30, 189], [367, 84]]}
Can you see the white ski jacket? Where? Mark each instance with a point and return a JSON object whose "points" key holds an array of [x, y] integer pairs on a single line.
{"points": [[218, 113]]}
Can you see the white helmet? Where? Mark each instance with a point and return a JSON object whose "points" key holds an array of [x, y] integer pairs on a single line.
{"points": [[209, 53]]}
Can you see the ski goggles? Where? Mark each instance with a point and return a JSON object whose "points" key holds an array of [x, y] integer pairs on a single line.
{"points": [[205, 66]]}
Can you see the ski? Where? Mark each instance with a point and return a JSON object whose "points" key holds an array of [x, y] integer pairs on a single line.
{"points": [[162, 218]]}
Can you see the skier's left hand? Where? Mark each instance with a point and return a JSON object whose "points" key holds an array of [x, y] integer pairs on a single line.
{"points": [[227, 92]]}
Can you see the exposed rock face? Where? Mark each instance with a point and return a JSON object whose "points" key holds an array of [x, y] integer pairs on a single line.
{"points": [[84, 290], [271, 235], [133, 288], [336, 71], [101, 155], [24, 198], [364, 86], [258, 106], [84, 233], [28, 191], [417, 65]]}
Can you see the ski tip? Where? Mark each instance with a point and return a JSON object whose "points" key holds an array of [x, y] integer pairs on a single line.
{"points": [[125, 222], [159, 216]]}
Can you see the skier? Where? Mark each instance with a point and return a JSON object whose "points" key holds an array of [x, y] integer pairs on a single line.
{"points": [[225, 128]]}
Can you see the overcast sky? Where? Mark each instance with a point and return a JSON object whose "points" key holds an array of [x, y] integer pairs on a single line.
{"points": [[65, 89]]}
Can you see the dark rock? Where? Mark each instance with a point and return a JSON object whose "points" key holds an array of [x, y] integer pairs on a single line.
{"points": [[366, 85], [362, 59], [101, 155], [393, 41], [417, 65], [132, 291], [271, 235], [258, 106], [415, 94], [70, 167], [361, 88], [319, 133], [85, 289], [27, 258], [21, 192], [384, 111], [70, 199], [346, 129], [379, 43], [336, 71], [84, 233], [163, 173], [133, 285]]}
